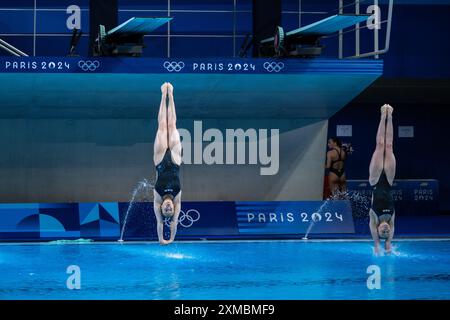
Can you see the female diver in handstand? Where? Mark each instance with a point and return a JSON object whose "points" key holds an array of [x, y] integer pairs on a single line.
{"points": [[167, 159], [382, 173]]}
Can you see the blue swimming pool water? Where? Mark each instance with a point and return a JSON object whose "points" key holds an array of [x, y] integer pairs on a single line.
{"points": [[225, 270]]}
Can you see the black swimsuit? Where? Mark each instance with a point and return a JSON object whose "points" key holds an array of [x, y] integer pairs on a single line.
{"points": [[338, 172], [383, 202], [168, 182]]}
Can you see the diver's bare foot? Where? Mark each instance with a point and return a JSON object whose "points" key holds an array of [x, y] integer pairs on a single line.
{"points": [[384, 109], [390, 110], [169, 88], [164, 89]]}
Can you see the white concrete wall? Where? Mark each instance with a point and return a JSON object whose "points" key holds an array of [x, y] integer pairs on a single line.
{"points": [[58, 160]]}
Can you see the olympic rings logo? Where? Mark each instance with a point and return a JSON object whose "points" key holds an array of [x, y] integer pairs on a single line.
{"points": [[89, 65], [186, 219], [174, 66], [273, 66]]}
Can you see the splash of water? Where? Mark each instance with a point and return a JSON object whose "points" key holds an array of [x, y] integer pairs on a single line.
{"points": [[313, 220], [360, 205], [177, 256], [77, 241], [143, 185], [308, 230]]}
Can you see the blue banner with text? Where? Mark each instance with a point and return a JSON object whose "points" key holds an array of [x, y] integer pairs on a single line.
{"points": [[411, 197], [180, 66], [197, 220]]}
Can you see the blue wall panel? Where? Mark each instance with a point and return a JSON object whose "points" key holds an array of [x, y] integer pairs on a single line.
{"points": [[244, 22], [14, 22], [201, 47], [17, 4], [58, 45], [55, 21], [62, 4], [201, 5], [202, 23], [244, 5], [143, 5], [419, 44]]}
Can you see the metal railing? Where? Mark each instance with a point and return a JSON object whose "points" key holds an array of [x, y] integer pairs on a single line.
{"points": [[11, 49], [376, 40]]}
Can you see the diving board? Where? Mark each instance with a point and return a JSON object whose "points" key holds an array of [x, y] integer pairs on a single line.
{"points": [[310, 35], [127, 39], [138, 26]]}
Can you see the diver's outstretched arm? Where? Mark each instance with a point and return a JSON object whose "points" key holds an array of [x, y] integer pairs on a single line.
{"points": [[159, 222], [160, 230], [373, 230], [388, 243], [174, 222]]}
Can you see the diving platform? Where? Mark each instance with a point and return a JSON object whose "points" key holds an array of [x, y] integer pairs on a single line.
{"points": [[117, 88], [82, 129], [127, 39], [305, 41], [137, 26]]}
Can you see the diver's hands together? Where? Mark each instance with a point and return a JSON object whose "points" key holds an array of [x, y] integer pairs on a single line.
{"points": [[387, 248], [164, 242]]}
